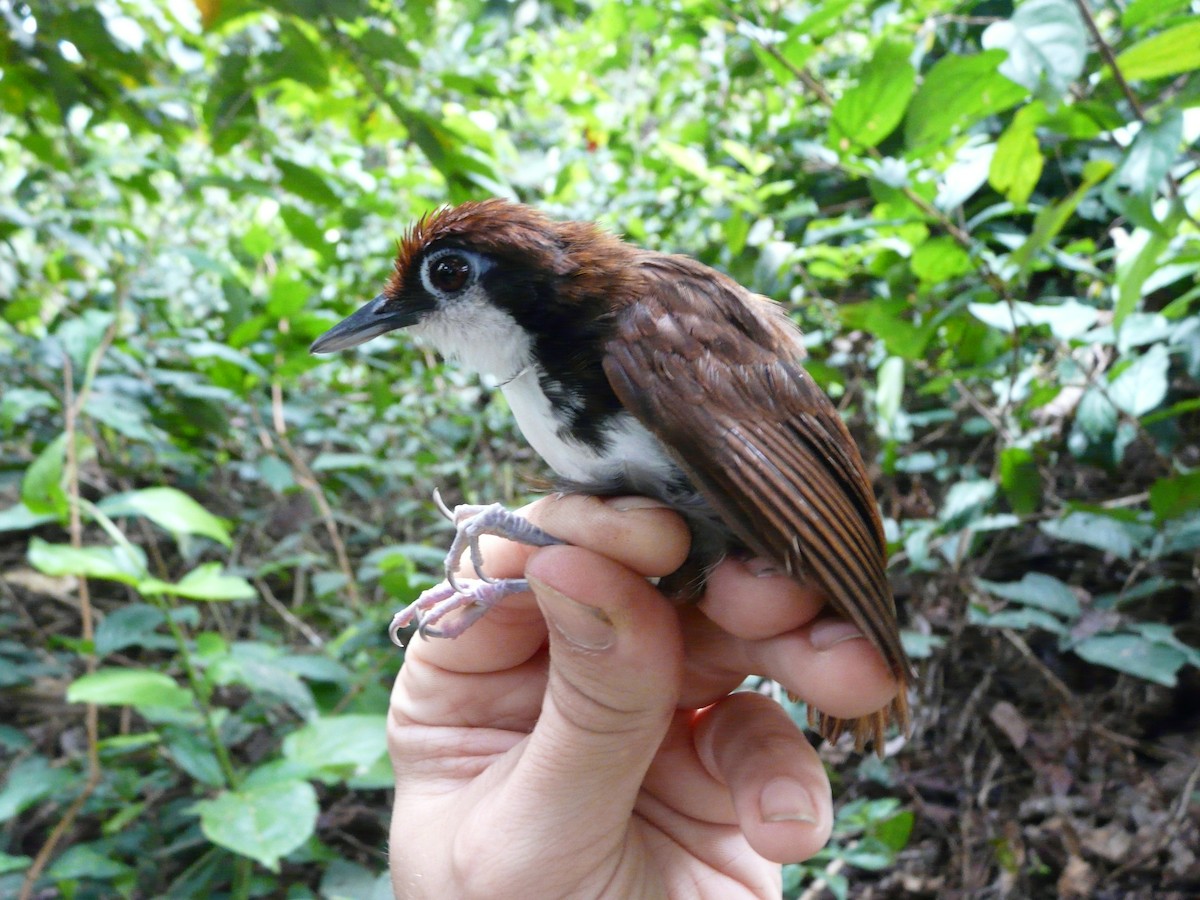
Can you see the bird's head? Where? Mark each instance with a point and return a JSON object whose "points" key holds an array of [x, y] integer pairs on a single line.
{"points": [[483, 282]]}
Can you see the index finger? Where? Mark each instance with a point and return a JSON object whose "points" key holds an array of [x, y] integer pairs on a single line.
{"points": [[642, 534]]}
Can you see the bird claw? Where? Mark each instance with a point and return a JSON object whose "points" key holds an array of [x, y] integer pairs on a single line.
{"points": [[471, 522], [440, 601]]}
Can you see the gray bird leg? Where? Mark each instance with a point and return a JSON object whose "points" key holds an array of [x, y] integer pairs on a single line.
{"points": [[471, 523], [438, 602]]}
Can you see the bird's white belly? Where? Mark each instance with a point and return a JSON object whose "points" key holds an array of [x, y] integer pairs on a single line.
{"points": [[633, 456]]}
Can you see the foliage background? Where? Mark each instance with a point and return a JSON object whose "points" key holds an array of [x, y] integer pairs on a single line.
{"points": [[984, 216]]}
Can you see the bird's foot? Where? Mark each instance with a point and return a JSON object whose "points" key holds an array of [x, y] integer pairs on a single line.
{"points": [[476, 597], [472, 522]]}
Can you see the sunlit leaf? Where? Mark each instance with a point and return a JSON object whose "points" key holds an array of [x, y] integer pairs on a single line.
{"points": [[263, 823], [956, 93], [170, 509], [1166, 53], [205, 582], [870, 110], [1143, 386], [128, 687], [1045, 39], [108, 563]]}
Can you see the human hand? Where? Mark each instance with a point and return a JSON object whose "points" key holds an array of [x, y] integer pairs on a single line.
{"points": [[616, 762]]}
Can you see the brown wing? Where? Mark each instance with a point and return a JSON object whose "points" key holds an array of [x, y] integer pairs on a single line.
{"points": [[713, 371]]}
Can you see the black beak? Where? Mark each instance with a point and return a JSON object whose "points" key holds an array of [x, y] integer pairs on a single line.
{"points": [[377, 317]]}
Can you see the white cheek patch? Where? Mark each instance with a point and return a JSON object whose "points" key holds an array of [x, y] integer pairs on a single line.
{"points": [[471, 331]]}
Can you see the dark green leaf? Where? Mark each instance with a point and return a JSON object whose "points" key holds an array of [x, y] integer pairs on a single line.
{"points": [[1093, 530], [1020, 479], [305, 182], [1035, 589], [1135, 655], [1172, 497]]}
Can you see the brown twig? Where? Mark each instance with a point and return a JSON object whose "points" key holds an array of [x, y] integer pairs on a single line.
{"points": [[72, 406], [287, 615], [1110, 60], [307, 480]]}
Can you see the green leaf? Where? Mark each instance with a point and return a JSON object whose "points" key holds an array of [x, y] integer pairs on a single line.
{"points": [[130, 626], [965, 501], [304, 228], [889, 393], [1092, 530], [342, 745], [195, 757], [895, 832], [30, 781], [1133, 268], [1167, 53], [263, 823], [288, 296], [230, 110], [1018, 161], [170, 509], [1175, 496], [41, 488], [940, 259], [20, 518], [1135, 655], [1045, 39], [1150, 157], [85, 861], [1141, 12], [10, 863], [1142, 386], [109, 563], [1053, 217], [1020, 479], [205, 582], [958, 92], [1035, 589], [129, 687], [344, 880], [1067, 320], [305, 182], [1021, 619], [302, 60], [870, 110]]}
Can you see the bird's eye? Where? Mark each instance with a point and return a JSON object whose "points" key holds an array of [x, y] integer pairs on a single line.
{"points": [[450, 273]]}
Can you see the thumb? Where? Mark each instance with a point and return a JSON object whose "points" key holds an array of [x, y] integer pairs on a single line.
{"points": [[616, 662]]}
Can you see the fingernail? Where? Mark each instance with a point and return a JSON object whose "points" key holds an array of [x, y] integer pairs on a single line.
{"points": [[786, 800], [625, 504], [828, 633], [583, 626], [762, 568]]}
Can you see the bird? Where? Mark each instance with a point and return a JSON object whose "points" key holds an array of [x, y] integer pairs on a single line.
{"points": [[632, 371]]}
